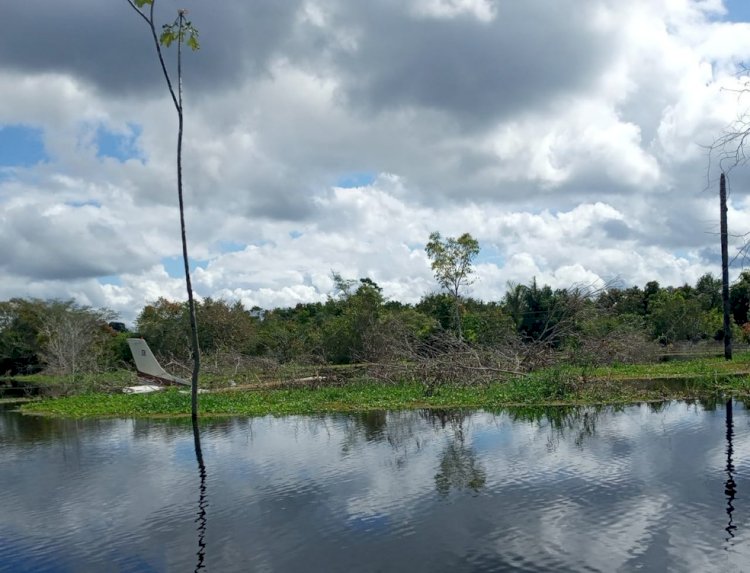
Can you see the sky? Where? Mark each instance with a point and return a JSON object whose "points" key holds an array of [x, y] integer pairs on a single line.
{"points": [[570, 138]]}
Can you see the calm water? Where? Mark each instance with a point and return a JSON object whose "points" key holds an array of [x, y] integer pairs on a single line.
{"points": [[640, 488]]}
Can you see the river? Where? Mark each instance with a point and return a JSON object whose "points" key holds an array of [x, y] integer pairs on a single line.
{"points": [[643, 487]]}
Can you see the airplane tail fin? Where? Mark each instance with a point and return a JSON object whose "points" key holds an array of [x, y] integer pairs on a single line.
{"points": [[148, 367]]}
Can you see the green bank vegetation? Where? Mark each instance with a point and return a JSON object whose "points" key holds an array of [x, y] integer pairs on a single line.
{"points": [[531, 327], [695, 379], [359, 350]]}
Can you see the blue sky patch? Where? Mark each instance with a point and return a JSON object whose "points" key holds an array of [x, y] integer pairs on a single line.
{"points": [[175, 268], [86, 203], [110, 280], [356, 179], [21, 146], [295, 234], [231, 247], [489, 254], [118, 145], [737, 10]]}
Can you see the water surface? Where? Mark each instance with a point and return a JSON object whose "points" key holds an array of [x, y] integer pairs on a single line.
{"points": [[636, 488]]}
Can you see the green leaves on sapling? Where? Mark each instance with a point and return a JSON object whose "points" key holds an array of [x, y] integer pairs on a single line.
{"points": [[179, 30]]}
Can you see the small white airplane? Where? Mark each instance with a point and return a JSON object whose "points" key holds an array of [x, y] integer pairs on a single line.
{"points": [[149, 370]]}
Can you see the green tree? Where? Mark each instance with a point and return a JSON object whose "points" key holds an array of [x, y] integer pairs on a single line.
{"points": [[350, 335], [180, 31], [73, 338], [486, 323], [438, 306], [225, 328], [708, 291], [534, 309], [62, 336], [676, 317], [650, 290], [165, 325], [739, 299], [452, 260], [20, 323]]}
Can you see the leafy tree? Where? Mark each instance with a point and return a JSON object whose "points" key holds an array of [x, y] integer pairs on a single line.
{"points": [[708, 291], [487, 323], [224, 327], [20, 323], [452, 264], [676, 317], [60, 335], [514, 303], [349, 336], [286, 339], [535, 310], [164, 324], [438, 306], [180, 31], [739, 299], [633, 301], [543, 315], [650, 290], [73, 338]]}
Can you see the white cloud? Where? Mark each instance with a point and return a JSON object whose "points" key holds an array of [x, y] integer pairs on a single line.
{"points": [[482, 10], [569, 169]]}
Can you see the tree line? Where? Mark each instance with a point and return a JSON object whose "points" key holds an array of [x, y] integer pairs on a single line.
{"points": [[358, 324]]}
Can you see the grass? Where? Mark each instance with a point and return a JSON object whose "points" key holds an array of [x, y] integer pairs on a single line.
{"points": [[698, 367], [88, 382], [695, 379]]}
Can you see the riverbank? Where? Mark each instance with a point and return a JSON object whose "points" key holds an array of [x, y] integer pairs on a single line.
{"points": [[684, 380]]}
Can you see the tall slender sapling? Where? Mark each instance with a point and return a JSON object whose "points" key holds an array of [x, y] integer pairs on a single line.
{"points": [[181, 31]]}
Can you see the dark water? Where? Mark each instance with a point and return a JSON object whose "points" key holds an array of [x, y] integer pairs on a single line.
{"points": [[647, 488]]}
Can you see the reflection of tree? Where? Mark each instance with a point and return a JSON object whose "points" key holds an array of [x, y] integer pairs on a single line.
{"points": [[579, 421], [17, 428], [372, 423], [396, 428], [202, 501], [459, 467], [730, 487]]}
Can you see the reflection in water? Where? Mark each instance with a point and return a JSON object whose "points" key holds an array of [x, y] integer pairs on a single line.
{"points": [[563, 421], [202, 501], [459, 467], [387, 491], [730, 487]]}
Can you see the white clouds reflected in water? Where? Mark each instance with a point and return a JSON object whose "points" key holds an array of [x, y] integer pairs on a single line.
{"points": [[587, 488]]}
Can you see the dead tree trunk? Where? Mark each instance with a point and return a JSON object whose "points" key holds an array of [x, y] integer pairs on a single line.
{"points": [[725, 268]]}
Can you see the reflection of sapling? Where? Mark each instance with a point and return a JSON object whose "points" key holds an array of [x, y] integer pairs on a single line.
{"points": [[181, 30]]}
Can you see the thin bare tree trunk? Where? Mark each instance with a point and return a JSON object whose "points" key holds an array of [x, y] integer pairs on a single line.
{"points": [[725, 268]]}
